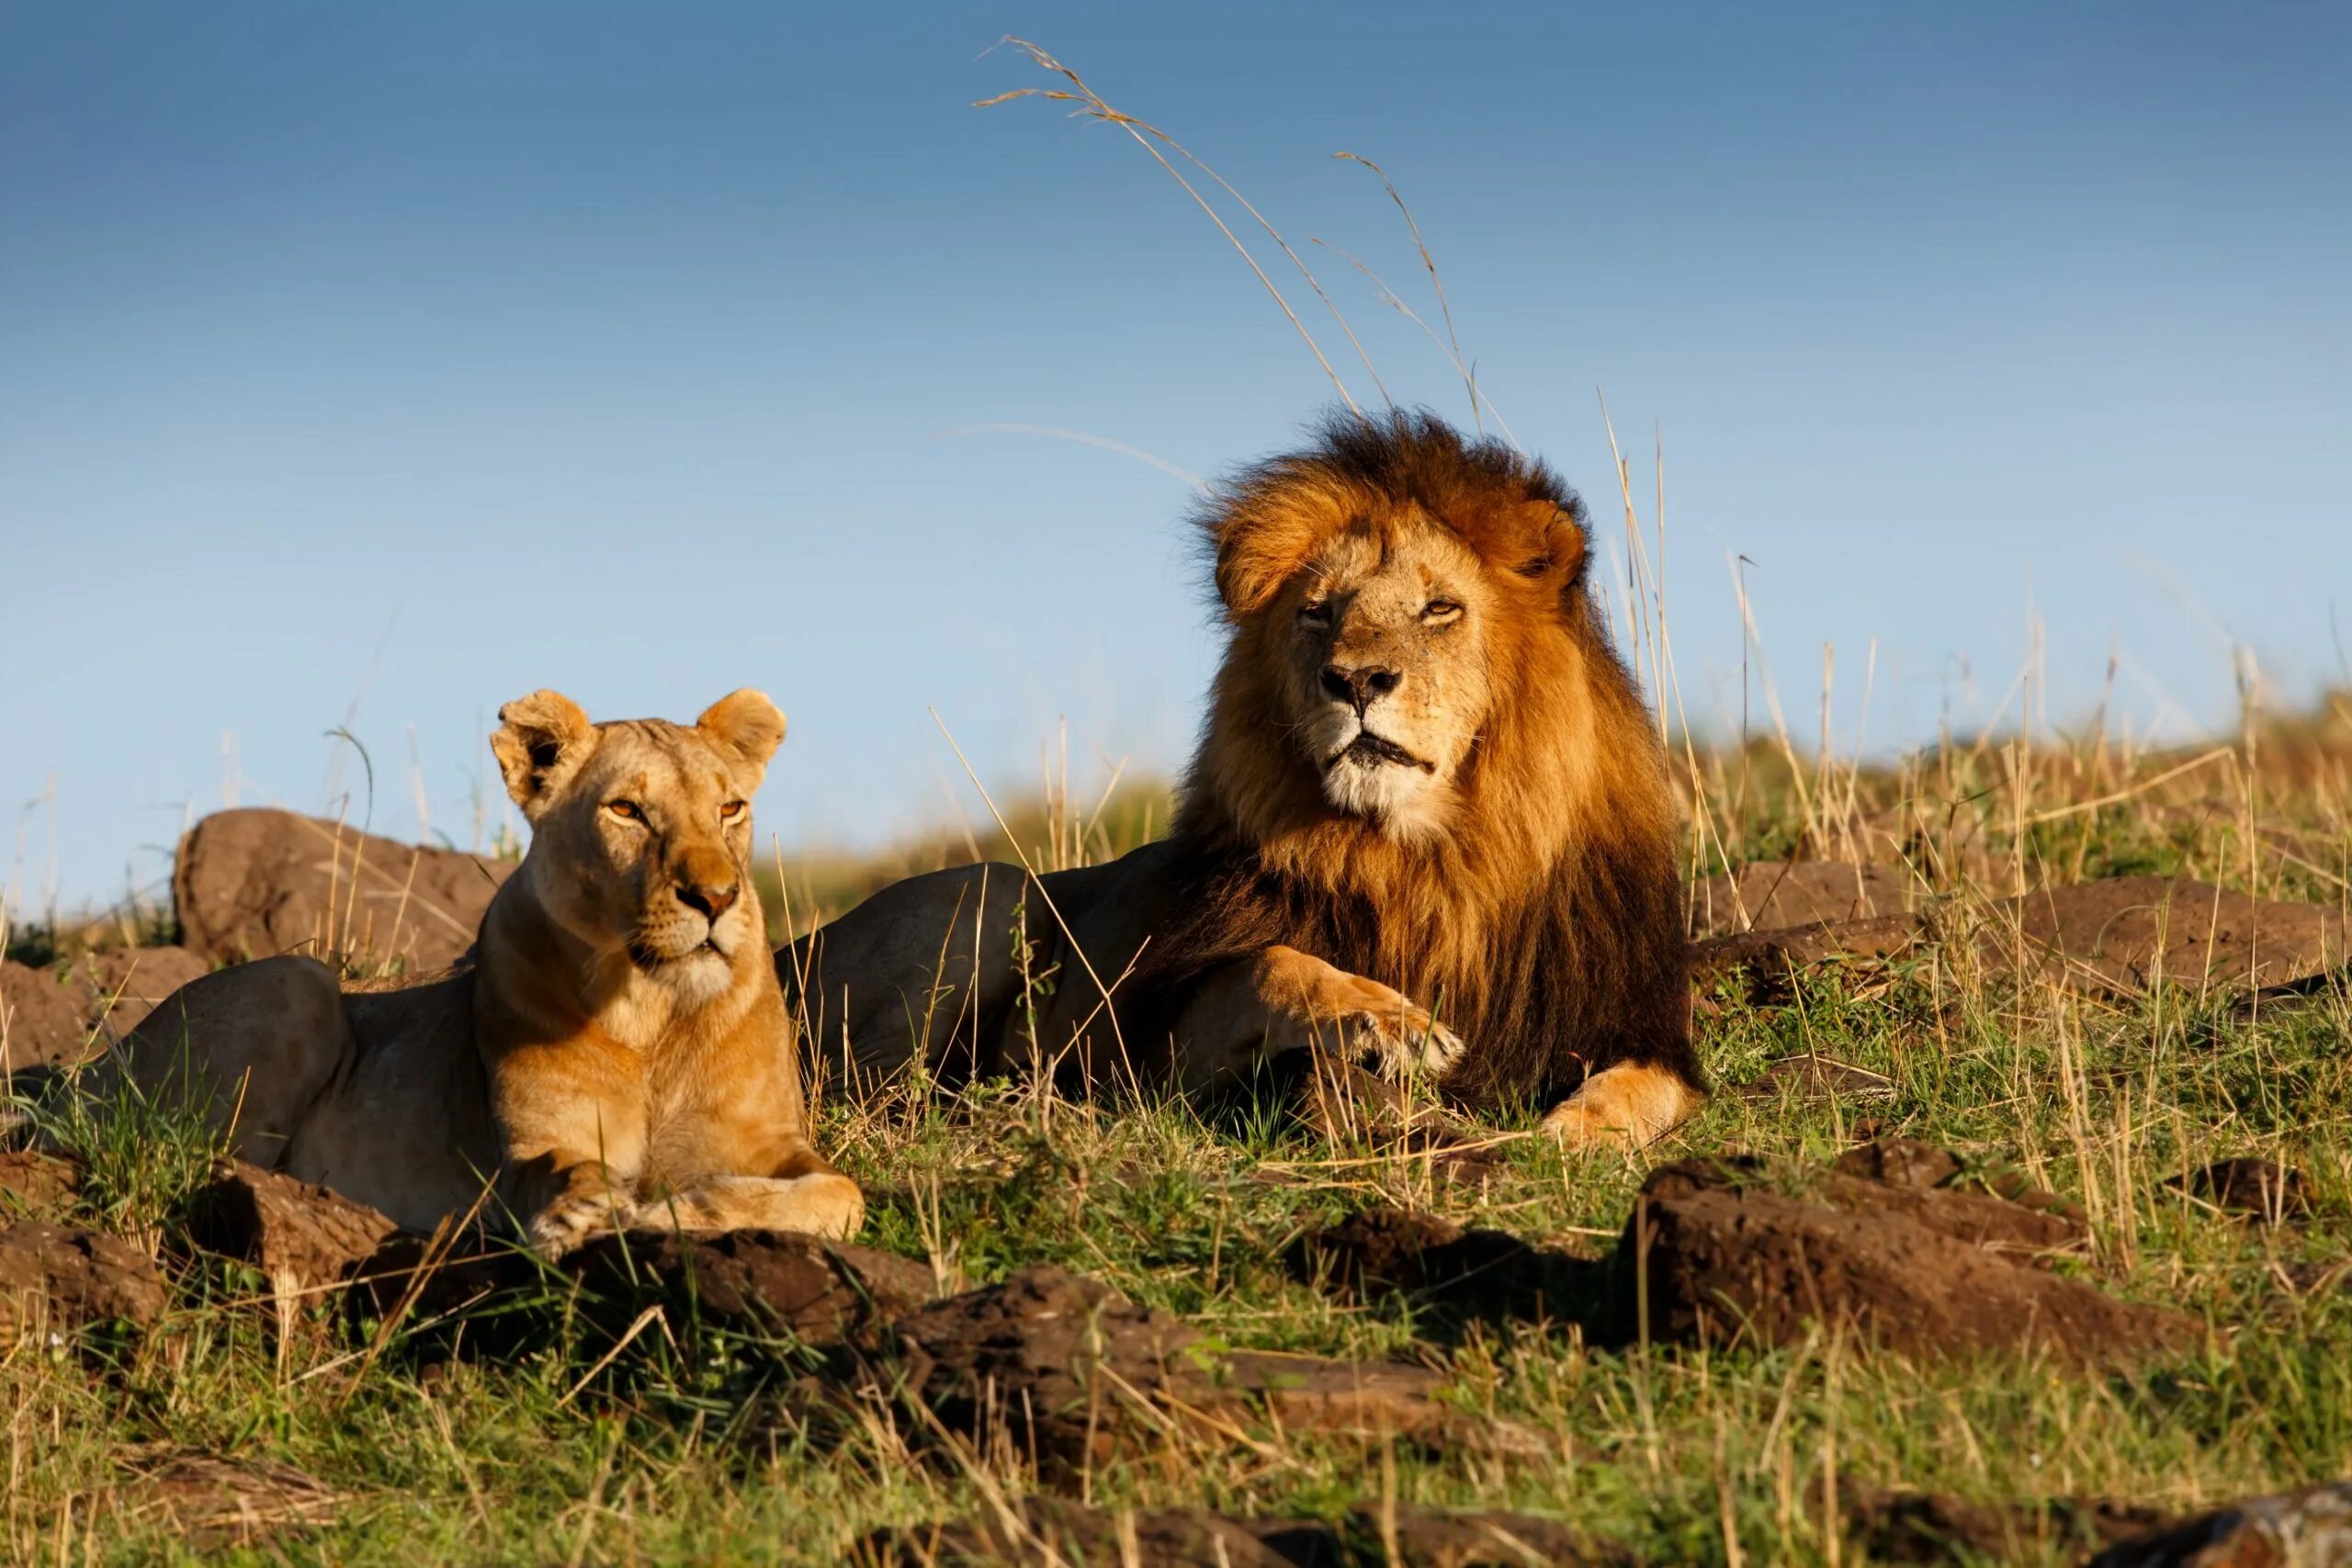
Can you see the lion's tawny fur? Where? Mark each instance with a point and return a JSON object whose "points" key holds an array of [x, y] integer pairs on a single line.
{"points": [[1428, 794]]}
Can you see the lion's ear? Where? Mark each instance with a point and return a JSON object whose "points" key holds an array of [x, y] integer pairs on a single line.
{"points": [[747, 723], [1264, 534], [540, 742], [1555, 541]]}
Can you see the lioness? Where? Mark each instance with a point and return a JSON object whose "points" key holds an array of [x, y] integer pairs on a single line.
{"points": [[1429, 824], [616, 1050]]}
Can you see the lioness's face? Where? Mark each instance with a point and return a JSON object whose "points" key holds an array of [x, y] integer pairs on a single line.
{"points": [[641, 839], [1387, 673]]}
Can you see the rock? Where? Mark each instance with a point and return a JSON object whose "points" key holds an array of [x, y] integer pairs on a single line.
{"points": [[2124, 934], [1465, 1276], [37, 1184], [1768, 895], [1929, 1528], [1813, 1079], [210, 1503], [2259, 1190], [2311, 1529], [252, 883], [1773, 959], [302, 1238], [115, 990], [1061, 1367], [824, 1293], [40, 1024], [55, 1281], [1923, 1272], [1049, 1529]]}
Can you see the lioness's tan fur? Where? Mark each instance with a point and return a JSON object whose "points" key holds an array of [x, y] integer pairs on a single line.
{"points": [[615, 1052]]}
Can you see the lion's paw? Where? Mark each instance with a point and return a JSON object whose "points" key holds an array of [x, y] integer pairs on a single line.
{"points": [[1402, 1040], [567, 1222]]}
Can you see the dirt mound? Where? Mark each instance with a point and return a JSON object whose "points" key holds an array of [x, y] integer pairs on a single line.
{"points": [[2311, 1529], [2262, 1190], [55, 1281], [116, 989], [1194, 1537], [40, 1025], [1927, 1271], [2126, 934], [253, 883], [1062, 1367], [1774, 895]]}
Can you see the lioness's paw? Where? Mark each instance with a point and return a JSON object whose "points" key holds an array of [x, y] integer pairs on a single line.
{"points": [[567, 1222]]}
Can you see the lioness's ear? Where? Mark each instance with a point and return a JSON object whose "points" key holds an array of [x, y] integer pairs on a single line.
{"points": [[540, 741], [747, 723]]}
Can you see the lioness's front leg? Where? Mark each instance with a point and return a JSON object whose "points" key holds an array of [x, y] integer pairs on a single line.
{"points": [[571, 1127], [1253, 1009]]}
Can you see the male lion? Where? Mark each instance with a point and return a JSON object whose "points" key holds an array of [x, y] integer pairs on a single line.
{"points": [[1429, 821], [615, 1051]]}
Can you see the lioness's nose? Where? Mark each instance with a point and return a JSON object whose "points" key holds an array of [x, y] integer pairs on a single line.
{"points": [[1359, 687], [712, 898]]}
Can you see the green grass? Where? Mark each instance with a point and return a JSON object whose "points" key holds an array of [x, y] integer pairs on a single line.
{"points": [[685, 1448]]}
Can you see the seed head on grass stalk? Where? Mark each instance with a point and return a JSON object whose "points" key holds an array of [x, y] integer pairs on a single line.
{"points": [[1151, 138]]}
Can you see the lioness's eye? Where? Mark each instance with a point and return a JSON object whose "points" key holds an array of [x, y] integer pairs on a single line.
{"points": [[627, 810], [1440, 610], [731, 810]]}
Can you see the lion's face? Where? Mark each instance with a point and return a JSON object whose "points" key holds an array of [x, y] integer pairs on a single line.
{"points": [[1383, 668], [641, 831]]}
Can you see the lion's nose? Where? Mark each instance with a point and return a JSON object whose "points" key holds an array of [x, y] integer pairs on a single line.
{"points": [[712, 898], [1361, 686]]}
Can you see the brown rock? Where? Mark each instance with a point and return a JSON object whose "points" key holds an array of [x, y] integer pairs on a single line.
{"points": [[34, 1183], [1769, 895], [2124, 933], [2311, 1529], [1723, 1264], [1926, 1527], [1062, 1367], [302, 1237], [54, 1281], [253, 883], [117, 989], [1194, 1537], [40, 1024], [1773, 959], [824, 1293], [2260, 1189]]}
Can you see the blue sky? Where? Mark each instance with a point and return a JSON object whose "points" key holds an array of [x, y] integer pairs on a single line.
{"points": [[412, 357]]}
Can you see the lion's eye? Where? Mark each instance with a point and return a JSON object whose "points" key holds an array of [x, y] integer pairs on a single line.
{"points": [[627, 810], [731, 810], [1316, 612], [1440, 610]]}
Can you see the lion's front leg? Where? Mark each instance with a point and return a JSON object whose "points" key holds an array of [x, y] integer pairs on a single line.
{"points": [[1624, 1107], [1254, 1008]]}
